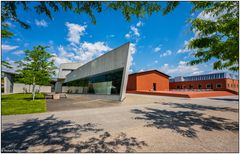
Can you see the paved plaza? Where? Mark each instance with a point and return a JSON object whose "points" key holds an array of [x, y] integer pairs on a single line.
{"points": [[141, 123]]}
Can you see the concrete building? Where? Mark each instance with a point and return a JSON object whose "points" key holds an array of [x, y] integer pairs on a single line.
{"points": [[7, 80], [215, 81], [64, 69], [152, 80], [105, 77]]}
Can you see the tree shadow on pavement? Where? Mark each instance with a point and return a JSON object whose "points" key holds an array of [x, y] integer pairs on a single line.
{"points": [[58, 135], [199, 107], [182, 122], [225, 99], [106, 144]]}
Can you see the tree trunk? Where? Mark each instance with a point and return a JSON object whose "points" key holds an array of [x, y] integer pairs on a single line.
{"points": [[33, 89]]}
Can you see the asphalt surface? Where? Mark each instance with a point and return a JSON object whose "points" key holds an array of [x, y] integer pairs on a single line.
{"points": [[139, 124]]}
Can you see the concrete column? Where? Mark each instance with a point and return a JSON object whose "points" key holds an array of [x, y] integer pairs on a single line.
{"points": [[58, 86], [8, 83]]}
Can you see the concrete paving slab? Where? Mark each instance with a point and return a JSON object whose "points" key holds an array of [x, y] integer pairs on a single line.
{"points": [[139, 124]]}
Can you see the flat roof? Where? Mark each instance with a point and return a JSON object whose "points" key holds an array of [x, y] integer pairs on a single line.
{"points": [[150, 71]]}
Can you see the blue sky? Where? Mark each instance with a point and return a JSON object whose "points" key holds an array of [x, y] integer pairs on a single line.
{"points": [[157, 41]]}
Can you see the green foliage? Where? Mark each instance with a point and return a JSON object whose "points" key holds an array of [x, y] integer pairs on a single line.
{"points": [[37, 67], [170, 6], [22, 104], [38, 64], [6, 64], [5, 32], [217, 38]]}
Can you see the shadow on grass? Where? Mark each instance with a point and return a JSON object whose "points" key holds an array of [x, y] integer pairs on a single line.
{"points": [[182, 122], [57, 135], [199, 107]]}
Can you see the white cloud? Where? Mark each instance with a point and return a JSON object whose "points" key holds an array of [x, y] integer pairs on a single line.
{"points": [[186, 43], [87, 51], [135, 31], [139, 24], [207, 16], [59, 60], [167, 53], [156, 61], [65, 54], [19, 52], [183, 50], [41, 23], [77, 51], [157, 49], [75, 32], [12, 64], [141, 70], [6, 47], [83, 53], [127, 35], [132, 49], [182, 69]]}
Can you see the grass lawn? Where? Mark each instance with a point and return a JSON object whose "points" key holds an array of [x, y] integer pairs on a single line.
{"points": [[22, 104]]}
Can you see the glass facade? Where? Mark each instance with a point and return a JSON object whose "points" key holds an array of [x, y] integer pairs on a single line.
{"points": [[108, 83]]}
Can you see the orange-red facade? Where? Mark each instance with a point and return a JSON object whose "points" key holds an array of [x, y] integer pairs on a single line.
{"points": [[157, 81], [149, 81], [215, 84]]}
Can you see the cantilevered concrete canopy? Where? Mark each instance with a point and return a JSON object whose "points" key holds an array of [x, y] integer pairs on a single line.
{"points": [[102, 73]]}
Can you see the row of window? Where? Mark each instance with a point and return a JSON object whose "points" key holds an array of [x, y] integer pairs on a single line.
{"points": [[208, 86], [232, 85], [204, 77]]}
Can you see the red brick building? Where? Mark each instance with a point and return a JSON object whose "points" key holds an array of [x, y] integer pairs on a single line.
{"points": [[152, 80], [216, 81]]}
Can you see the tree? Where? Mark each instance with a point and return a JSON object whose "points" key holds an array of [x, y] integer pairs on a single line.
{"points": [[217, 36], [6, 64], [37, 67], [128, 9]]}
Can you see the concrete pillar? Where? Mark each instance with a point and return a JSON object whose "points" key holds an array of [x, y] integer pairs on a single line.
{"points": [[8, 83], [58, 86]]}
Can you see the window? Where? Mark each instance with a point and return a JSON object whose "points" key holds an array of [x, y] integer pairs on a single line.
{"points": [[199, 86], [209, 86], [218, 85], [178, 87], [190, 86], [228, 85], [106, 83], [67, 70]]}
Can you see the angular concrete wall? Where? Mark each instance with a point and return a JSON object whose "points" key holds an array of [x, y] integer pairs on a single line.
{"points": [[67, 68], [22, 88], [112, 60]]}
